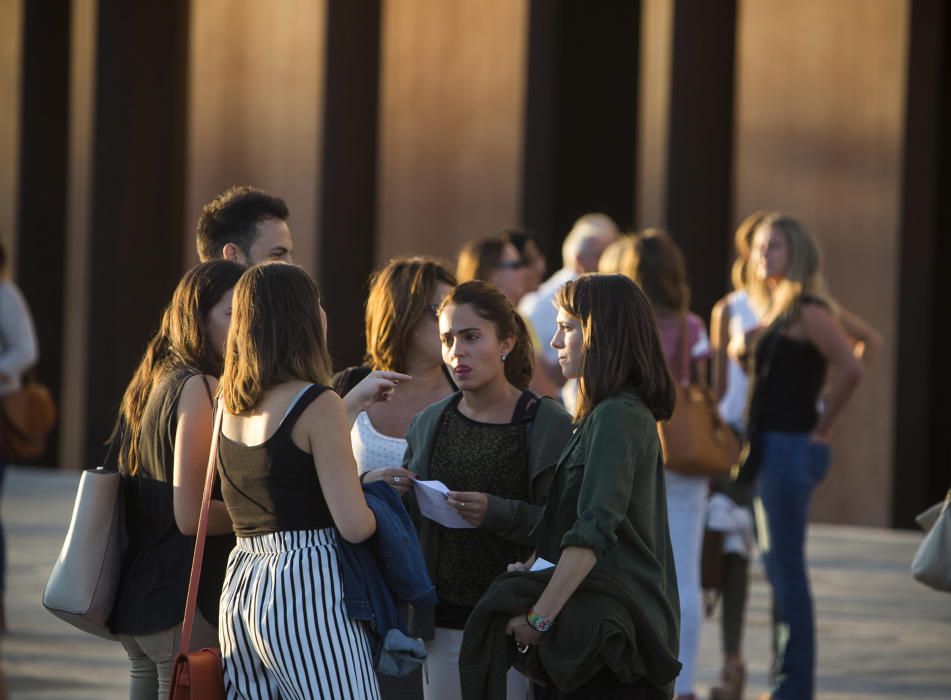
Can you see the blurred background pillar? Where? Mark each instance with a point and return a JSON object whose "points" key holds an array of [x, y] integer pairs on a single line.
{"points": [[921, 455], [580, 149], [41, 193], [138, 201]]}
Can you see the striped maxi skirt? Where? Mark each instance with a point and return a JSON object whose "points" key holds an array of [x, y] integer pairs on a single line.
{"points": [[283, 629]]}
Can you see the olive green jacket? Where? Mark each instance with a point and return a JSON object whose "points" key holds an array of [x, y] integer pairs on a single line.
{"points": [[510, 519], [608, 495]]}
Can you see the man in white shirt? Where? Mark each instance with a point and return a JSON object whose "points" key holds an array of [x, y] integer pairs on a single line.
{"points": [[580, 253]]}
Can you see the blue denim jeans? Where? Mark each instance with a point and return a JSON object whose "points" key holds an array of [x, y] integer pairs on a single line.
{"points": [[791, 467]]}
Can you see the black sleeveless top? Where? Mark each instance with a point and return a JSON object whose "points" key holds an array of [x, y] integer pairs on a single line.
{"points": [[155, 568], [796, 374], [273, 487]]}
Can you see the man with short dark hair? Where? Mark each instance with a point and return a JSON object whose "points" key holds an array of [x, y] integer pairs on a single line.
{"points": [[245, 225]]}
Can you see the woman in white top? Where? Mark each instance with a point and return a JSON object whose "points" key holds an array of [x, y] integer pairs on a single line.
{"points": [[18, 353], [402, 336], [729, 509]]}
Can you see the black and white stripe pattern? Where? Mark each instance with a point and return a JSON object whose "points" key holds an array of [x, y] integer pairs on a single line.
{"points": [[283, 629]]}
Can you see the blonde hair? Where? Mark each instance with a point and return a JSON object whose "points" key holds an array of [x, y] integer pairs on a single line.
{"points": [[613, 255], [276, 335], [802, 276], [743, 243]]}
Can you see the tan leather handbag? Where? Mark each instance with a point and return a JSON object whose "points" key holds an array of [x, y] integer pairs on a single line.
{"points": [[197, 675], [26, 417], [695, 440]]}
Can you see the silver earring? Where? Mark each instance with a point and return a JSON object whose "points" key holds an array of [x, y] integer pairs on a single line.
{"points": [[503, 357]]}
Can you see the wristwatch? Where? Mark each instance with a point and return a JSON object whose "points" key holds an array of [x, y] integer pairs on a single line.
{"points": [[538, 622]]}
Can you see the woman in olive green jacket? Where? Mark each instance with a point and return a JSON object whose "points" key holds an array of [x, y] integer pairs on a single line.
{"points": [[606, 510], [494, 444]]}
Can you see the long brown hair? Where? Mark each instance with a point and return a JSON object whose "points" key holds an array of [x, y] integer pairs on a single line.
{"points": [[620, 343], [399, 296], [276, 335], [181, 342], [489, 303], [656, 264]]}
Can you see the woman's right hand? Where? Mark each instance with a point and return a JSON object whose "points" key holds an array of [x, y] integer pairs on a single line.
{"points": [[375, 387], [516, 566], [400, 480]]}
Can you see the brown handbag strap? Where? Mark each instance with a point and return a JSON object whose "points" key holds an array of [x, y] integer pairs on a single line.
{"points": [[192, 598]]}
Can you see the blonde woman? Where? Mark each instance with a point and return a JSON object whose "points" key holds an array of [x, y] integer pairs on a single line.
{"points": [[802, 355]]}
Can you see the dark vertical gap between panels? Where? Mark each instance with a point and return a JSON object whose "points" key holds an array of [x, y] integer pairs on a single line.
{"points": [[348, 171], [138, 199], [580, 135], [920, 451], [43, 157], [939, 472], [700, 144]]}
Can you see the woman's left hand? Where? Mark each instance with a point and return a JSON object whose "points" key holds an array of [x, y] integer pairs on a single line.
{"points": [[471, 505], [376, 386], [523, 632]]}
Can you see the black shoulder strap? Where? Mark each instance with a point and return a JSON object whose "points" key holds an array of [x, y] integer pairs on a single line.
{"points": [[525, 408], [305, 400], [211, 399], [111, 462], [525, 411]]}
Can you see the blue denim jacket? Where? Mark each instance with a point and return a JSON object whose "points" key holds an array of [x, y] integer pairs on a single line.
{"points": [[386, 567]]}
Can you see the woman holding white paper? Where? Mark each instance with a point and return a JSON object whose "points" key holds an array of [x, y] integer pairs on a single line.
{"points": [[493, 444]]}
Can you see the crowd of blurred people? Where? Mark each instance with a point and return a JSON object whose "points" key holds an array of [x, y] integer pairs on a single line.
{"points": [[576, 555]]}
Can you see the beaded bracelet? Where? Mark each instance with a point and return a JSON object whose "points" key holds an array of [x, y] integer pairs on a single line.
{"points": [[538, 622]]}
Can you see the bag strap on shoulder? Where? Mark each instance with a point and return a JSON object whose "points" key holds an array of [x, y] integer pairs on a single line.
{"points": [[191, 599]]}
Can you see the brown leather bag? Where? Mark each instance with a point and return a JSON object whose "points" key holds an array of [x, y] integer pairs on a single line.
{"points": [[197, 675], [695, 440], [26, 417]]}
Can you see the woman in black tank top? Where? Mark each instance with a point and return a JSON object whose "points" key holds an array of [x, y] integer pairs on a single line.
{"points": [[802, 356], [290, 484], [165, 428]]}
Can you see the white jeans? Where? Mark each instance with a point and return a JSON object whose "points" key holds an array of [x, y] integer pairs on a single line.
{"points": [[441, 671], [686, 503]]}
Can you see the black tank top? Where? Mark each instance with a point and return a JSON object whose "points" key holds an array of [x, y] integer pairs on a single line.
{"points": [[156, 566], [273, 487], [797, 373]]}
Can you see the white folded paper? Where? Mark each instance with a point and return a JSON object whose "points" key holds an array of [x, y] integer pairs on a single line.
{"points": [[541, 564], [432, 499]]}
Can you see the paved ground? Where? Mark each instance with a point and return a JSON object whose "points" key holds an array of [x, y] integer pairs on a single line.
{"points": [[881, 635]]}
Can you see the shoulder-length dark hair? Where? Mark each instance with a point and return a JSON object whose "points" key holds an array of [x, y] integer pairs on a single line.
{"points": [[276, 335], [489, 303], [181, 342], [400, 295], [656, 264], [620, 343]]}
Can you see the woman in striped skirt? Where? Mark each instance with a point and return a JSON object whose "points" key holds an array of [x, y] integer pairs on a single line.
{"points": [[288, 479]]}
